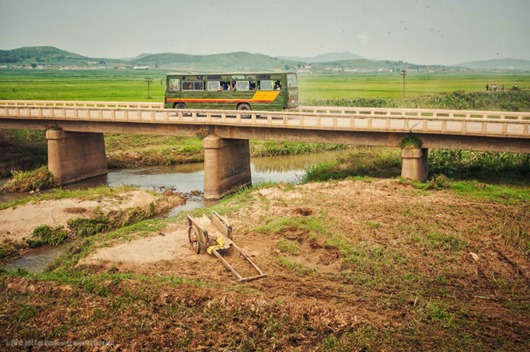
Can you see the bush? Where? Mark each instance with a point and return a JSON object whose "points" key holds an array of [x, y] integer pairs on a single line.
{"points": [[491, 166], [411, 141], [373, 162], [47, 235], [4, 251], [88, 227], [439, 182], [25, 181], [459, 100]]}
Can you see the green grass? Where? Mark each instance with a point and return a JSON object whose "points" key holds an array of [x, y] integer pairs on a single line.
{"points": [[440, 241], [25, 181], [45, 234], [294, 267], [287, 246], [129, 151], [384, 86], [501, 193], [360, 161], [486, 166], [489, 170], [128, 85], [80, 85]]}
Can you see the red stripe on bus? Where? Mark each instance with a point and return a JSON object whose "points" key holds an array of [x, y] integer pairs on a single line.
{"points": [[217, 101]]}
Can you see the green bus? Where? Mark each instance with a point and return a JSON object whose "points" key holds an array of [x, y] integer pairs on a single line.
{"points": [[232, 91]]}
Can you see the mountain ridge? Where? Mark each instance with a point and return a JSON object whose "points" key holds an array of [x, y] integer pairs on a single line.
{"points": [[498, 64], [327, 57], [238, 61]]}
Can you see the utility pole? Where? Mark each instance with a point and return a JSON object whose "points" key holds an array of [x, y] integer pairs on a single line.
{"points": [[148, 80], [403, 73]]}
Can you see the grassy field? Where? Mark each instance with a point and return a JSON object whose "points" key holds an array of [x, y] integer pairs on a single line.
{"points": [[120, 85], [100, 85], [315, 87]]}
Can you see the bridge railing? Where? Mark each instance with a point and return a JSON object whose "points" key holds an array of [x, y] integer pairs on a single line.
{"points": [[469, 114], [83, 104], [510, 125]]}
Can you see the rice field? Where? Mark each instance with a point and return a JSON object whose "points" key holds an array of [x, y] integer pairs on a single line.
{"points": [[128, 85]]}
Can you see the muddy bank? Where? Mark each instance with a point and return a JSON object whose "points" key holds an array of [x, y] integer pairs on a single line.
{"points": [[17, 223]]}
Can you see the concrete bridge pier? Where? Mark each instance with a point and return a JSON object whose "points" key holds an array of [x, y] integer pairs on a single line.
{"points": [[226, 166], [415, 164], [75, 156]]}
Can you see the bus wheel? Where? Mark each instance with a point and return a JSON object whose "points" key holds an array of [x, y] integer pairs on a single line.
{"points": [[244, 106], [180, 106]]}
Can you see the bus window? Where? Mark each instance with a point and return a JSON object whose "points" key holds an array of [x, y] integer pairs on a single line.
{"points": [[265, 85], [242, 85], [174, 84], [197, 85], [213, 85]]}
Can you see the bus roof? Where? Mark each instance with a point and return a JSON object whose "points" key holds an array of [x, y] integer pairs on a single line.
{"points": [[227, 73]]}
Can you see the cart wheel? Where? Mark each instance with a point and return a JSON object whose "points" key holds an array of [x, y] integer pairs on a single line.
{"points": [[194, 239]]}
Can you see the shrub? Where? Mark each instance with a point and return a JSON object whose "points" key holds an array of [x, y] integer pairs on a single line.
{"points": [[411, 141], [88, 227], [45, 234], [25, 181]]}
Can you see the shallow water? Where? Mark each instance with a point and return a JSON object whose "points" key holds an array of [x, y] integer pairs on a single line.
{"points": [[187, 179], [37, 259]]}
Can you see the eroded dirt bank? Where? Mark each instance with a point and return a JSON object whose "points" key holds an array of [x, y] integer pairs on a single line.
{"points": [[17, 223], [351, 265]]}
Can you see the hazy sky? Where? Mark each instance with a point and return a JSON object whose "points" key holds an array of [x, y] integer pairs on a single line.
{"points": [[418, 31]]}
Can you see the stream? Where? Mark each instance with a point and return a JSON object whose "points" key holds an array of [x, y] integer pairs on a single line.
{"points": [[187, 179]]}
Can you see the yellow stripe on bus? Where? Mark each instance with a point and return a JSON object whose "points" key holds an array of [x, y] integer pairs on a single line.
{"points": [[262, 95]]}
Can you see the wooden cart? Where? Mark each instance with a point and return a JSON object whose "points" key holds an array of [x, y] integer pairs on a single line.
{"points": [[214, 235]]}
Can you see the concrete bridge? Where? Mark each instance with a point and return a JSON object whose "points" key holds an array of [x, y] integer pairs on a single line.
{"points": [[76, 148]]}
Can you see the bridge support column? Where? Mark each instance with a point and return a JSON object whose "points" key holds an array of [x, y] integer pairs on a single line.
{"points": [[75, 156], [415, 164], [226, 166]]}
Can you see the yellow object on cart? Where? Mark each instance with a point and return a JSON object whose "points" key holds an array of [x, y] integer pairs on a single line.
{"points": [[220, 245]]}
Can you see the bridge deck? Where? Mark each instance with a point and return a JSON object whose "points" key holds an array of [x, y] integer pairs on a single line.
{"points": [[419, 121]]}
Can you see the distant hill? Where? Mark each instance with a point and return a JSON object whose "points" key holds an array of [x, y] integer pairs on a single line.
{"points": [[498, 64], [238, 61], [365, 65], [136, 57], [329, 57], [46, 55]]}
